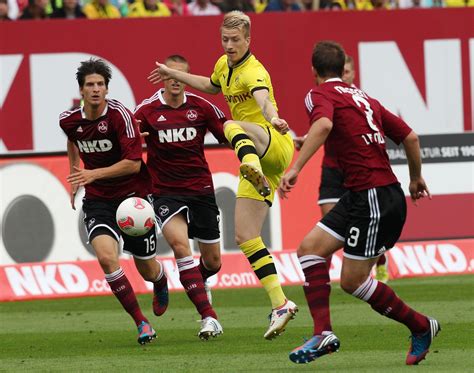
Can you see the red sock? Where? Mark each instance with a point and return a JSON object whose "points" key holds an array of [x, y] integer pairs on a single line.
{"points": [[317, 288], [193, 283], [384, 300], [205, 273], [123, 291]]}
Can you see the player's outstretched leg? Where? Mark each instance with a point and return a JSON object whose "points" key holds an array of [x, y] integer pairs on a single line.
{"points": [[145, 333], [384, 300], [250, 167], [315, 347], [283, 310], [420, 343]]}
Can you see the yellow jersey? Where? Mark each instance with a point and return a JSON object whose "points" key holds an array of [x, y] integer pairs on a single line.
{"points": [[238, 83]]}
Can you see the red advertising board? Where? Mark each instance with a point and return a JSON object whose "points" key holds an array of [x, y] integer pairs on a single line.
{"points": [[85, 278]]}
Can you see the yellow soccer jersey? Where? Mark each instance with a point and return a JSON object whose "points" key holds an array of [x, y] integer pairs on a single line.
{"points": [[237, 83]]}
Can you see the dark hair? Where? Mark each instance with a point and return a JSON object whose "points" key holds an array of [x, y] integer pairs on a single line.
{"points": [[328, 59], [93, 66]]}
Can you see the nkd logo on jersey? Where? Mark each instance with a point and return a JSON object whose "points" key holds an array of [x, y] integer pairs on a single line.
{"points": [[177, 134], [94, 146]]}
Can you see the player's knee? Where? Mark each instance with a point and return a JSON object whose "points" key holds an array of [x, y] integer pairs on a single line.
{"points": [[306, 248], [351, 283], [108, 262], [180, 249], [213, 263]]}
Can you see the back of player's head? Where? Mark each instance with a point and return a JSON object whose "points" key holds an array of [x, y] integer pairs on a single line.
{"points": [[237, 19], [177, 58], [349, 60], [93, 66], [328, 59]]}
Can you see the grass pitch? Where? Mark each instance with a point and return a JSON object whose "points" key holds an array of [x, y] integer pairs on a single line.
{"points": [[95, 334]]}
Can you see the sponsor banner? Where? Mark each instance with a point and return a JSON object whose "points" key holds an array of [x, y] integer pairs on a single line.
{"points": [[437, 149], [424, 74], [85, 278]]}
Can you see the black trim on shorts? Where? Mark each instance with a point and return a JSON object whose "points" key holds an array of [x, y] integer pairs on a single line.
{"points": [[269, 142]]}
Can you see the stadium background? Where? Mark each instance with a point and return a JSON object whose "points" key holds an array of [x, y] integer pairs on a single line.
{"points": [[419, 63]]}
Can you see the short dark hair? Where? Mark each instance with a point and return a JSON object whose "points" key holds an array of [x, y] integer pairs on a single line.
{"points": [[93, 66], [328, 59]]}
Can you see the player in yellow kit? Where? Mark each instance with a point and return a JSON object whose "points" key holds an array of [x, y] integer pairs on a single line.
{"points": [[260, 140]]}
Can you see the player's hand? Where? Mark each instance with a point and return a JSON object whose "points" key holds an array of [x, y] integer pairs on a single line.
{"points": [[81, 177], [299, 141], [280, 125], [162, 72], [142, 134], [418, 190], [287, 182], [73, 192]]}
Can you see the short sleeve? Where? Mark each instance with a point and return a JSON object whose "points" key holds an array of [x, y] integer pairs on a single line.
{"points": [[394, 127], [318, 106], [255, 79]]}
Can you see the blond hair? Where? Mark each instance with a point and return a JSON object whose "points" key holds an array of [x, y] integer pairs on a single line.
{"points": [[237, 19]]}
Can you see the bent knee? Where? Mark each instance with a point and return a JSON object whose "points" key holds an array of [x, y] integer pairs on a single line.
{"points": [[351, 284]]}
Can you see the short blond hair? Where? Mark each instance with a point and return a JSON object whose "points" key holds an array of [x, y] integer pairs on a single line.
{"points": [[237, 19]]}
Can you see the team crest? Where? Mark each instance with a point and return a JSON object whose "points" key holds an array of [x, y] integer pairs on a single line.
{"points": [[164, 210], [192, 115], [102, 127]]}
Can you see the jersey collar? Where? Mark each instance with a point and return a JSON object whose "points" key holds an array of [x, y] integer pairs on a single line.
{"points": [[162, 99], [333, 80], [83, 113], [244, 59]]}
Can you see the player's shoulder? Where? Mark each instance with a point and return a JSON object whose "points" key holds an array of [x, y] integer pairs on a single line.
{"points": [[203, 103], [68, 116], [119, 113], [152, 101]]}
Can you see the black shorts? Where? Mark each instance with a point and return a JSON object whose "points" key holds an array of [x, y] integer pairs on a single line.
{"points": [[99, 218], [201, 213], [331, 188], [369, 222]]}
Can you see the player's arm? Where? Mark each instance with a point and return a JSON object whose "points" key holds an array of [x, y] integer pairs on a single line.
{"points": [[316, 137], [124, 167], [199, 82], [74, 161], [397, 130], [269, 111], [417, 187]]}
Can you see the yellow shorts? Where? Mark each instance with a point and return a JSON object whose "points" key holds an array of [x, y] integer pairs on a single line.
{"points": [[274, 162]]}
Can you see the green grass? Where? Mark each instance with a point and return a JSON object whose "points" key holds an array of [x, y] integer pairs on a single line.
{"points": [[94, 334]]}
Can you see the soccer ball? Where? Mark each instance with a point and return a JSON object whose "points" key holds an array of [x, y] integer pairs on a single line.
{"points": [[135, 216]]}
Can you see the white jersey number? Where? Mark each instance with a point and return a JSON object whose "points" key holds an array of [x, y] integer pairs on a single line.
{"points": [[367, 110]]}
